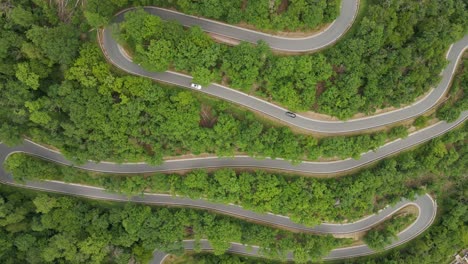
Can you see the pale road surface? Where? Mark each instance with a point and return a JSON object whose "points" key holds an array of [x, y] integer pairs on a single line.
{"points": [[305, 167], [117, 57], [316, 41], [426, 206]]}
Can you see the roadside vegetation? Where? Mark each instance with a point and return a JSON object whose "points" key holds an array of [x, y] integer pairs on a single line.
{"points": [[38, 228], [276, 15], [386, 233], [437, 245], [58, 89], [205, 257], [458, 96], [395, 56], [446, 236], [305, 200]]}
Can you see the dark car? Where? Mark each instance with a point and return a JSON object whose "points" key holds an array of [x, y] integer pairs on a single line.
{"points": [[291, 114]]}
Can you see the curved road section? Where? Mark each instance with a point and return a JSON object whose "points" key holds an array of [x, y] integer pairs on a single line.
{"points": [[314, 42], [305, 167], [426, 206], [117, 57]]}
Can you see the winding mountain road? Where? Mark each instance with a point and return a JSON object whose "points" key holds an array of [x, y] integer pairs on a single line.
{"points": [[314, 42], [116, 55], [425, 204], [305, 167]]}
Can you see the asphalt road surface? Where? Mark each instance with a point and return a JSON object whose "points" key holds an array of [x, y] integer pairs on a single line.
{"points": [[305, 167], [426, 206], [316, 41], [117, 57]]}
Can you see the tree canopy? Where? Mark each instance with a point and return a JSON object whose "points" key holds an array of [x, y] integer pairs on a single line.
{"points": [[305, 200], [393, 56], [37, 228]]}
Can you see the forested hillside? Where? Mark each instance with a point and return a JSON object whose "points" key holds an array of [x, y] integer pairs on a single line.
{"points": [[274, 15], [445, 237], [458, 99], [41, 228], [305, 200], [395, 55], [58, 89], [387, 232], [437, 245]]}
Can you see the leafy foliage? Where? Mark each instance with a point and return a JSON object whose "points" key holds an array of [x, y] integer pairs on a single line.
{"points": [[89, 112], [458, 101], [445, 237], [394, 56], [382, 236], [274, 15], [38, 228], [305, 200]]}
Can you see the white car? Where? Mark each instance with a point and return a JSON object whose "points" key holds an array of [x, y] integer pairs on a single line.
{"points": [[195, 86], [291, 114]]}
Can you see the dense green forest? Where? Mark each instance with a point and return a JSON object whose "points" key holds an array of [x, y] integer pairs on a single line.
{"points": [[458, 101], [445, 237], [74, 101], [394, 56], [305, 200], [206, 258], [268, 15], [42, 228], [439, 166], [437, 245], [58, 89], [386, 233]]}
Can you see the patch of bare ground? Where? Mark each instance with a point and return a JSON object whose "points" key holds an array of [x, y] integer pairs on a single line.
{"points": [[289, 34], [128, 52], [421, 181], [244, 4], [283, 6], [147, 147], [254, 169], [318, 116], [410, 209], [224, 80], [191, 156], [207, 117], [83, 37], [356, 238], [224, 40], [319, 89], [172, 259], [44, 145]]}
